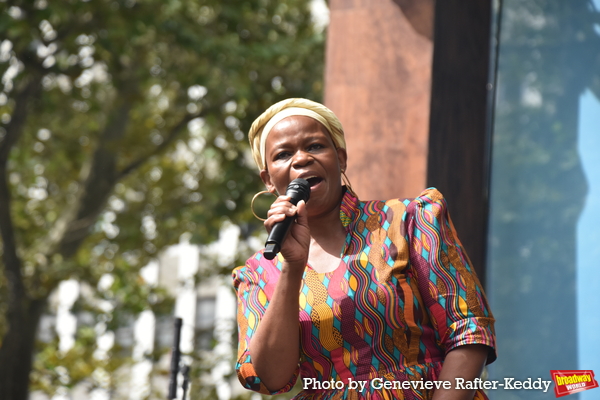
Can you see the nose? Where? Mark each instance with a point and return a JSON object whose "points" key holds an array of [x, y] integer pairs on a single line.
{"points": [[301, 159]]}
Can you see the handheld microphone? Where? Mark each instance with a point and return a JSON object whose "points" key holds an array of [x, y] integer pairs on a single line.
{"points": [[298, 189]]}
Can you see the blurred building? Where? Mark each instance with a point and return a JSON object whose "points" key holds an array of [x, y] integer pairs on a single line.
{"points": [[208, 311]]}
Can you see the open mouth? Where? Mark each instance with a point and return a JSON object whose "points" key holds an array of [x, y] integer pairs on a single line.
{"points": [[313, 181]]}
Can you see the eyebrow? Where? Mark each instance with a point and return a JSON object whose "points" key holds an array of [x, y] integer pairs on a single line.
{"points": [[312, 136]]}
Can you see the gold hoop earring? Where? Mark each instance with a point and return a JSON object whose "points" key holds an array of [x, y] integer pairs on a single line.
{"points": [[346, 182], [252, 203]]}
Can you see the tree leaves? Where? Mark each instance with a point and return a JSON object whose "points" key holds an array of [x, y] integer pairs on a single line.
{"points": [[135, 132]]}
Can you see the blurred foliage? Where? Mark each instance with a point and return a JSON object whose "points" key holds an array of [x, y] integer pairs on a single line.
{"points": [[134, 137]]}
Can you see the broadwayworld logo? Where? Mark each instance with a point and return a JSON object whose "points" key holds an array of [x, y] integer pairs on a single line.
{"points": [[572, 381]]}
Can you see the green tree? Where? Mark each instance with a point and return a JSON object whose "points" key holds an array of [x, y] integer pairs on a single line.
{"points": [[121, 128]]}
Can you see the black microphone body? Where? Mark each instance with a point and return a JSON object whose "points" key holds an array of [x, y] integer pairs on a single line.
{"points": [[298, 189]]}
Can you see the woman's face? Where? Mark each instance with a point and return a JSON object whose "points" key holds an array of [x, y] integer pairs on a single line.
{"points": [[300, 147]]}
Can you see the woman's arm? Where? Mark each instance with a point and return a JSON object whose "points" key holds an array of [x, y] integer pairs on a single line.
{"points": [[275, 346], [464, 362], [451, 293]]}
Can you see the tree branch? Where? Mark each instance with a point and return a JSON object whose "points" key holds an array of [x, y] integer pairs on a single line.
{"points": [[98, 182], [173, 133], [14, 129]]}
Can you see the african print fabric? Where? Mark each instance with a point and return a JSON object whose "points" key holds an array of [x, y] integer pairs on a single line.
{"points": [[403, 295]]}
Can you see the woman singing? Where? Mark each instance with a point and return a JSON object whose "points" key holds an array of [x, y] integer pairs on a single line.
{"points": [[366, 300]]}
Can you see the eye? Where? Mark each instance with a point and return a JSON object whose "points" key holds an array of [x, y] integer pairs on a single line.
{"points": [[282, 155], [315, 146]]}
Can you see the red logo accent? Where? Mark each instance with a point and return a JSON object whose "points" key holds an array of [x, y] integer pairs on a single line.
{"points": [[572, 381]]}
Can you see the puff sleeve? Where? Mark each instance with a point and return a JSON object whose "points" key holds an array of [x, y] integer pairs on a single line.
{"points": [[447, 282], [254, 284]]}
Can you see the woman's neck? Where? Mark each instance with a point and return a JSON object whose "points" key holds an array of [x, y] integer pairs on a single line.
{"points": [[324, 225], [328, 237]]}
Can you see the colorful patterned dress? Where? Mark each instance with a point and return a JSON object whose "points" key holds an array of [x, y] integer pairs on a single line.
{"points": [[403, 296]]}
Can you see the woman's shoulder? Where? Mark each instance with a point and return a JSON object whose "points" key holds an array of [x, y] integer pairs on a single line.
{"points": [[256, 269], [430, 194], [430, 199], [382, 213], [427, 197], [248, 271]]}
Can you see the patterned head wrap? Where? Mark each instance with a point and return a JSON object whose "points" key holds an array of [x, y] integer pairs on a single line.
{"points": [[262, 126]]}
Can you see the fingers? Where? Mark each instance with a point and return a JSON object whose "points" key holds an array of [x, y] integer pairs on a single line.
{"points": [[302, 213], [279, 210], [295, 248]]}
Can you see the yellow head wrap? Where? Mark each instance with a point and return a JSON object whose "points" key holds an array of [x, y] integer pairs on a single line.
{"points": [[261, 127]]}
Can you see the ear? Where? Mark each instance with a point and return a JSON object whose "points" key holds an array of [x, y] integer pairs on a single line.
{"points": [[266, 178], [342, 158]]}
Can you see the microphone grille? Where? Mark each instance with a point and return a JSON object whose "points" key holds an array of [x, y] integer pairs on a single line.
{"points": [[299, 188]]}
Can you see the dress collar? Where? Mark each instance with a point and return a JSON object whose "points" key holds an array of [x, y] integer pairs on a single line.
{"points": [[348, 208]]}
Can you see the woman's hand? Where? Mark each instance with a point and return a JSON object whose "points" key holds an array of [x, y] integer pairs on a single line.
{"points": [[295, 247]]}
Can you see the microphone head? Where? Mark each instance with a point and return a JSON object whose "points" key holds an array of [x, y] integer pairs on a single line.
{"points": [[298, 189]]}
